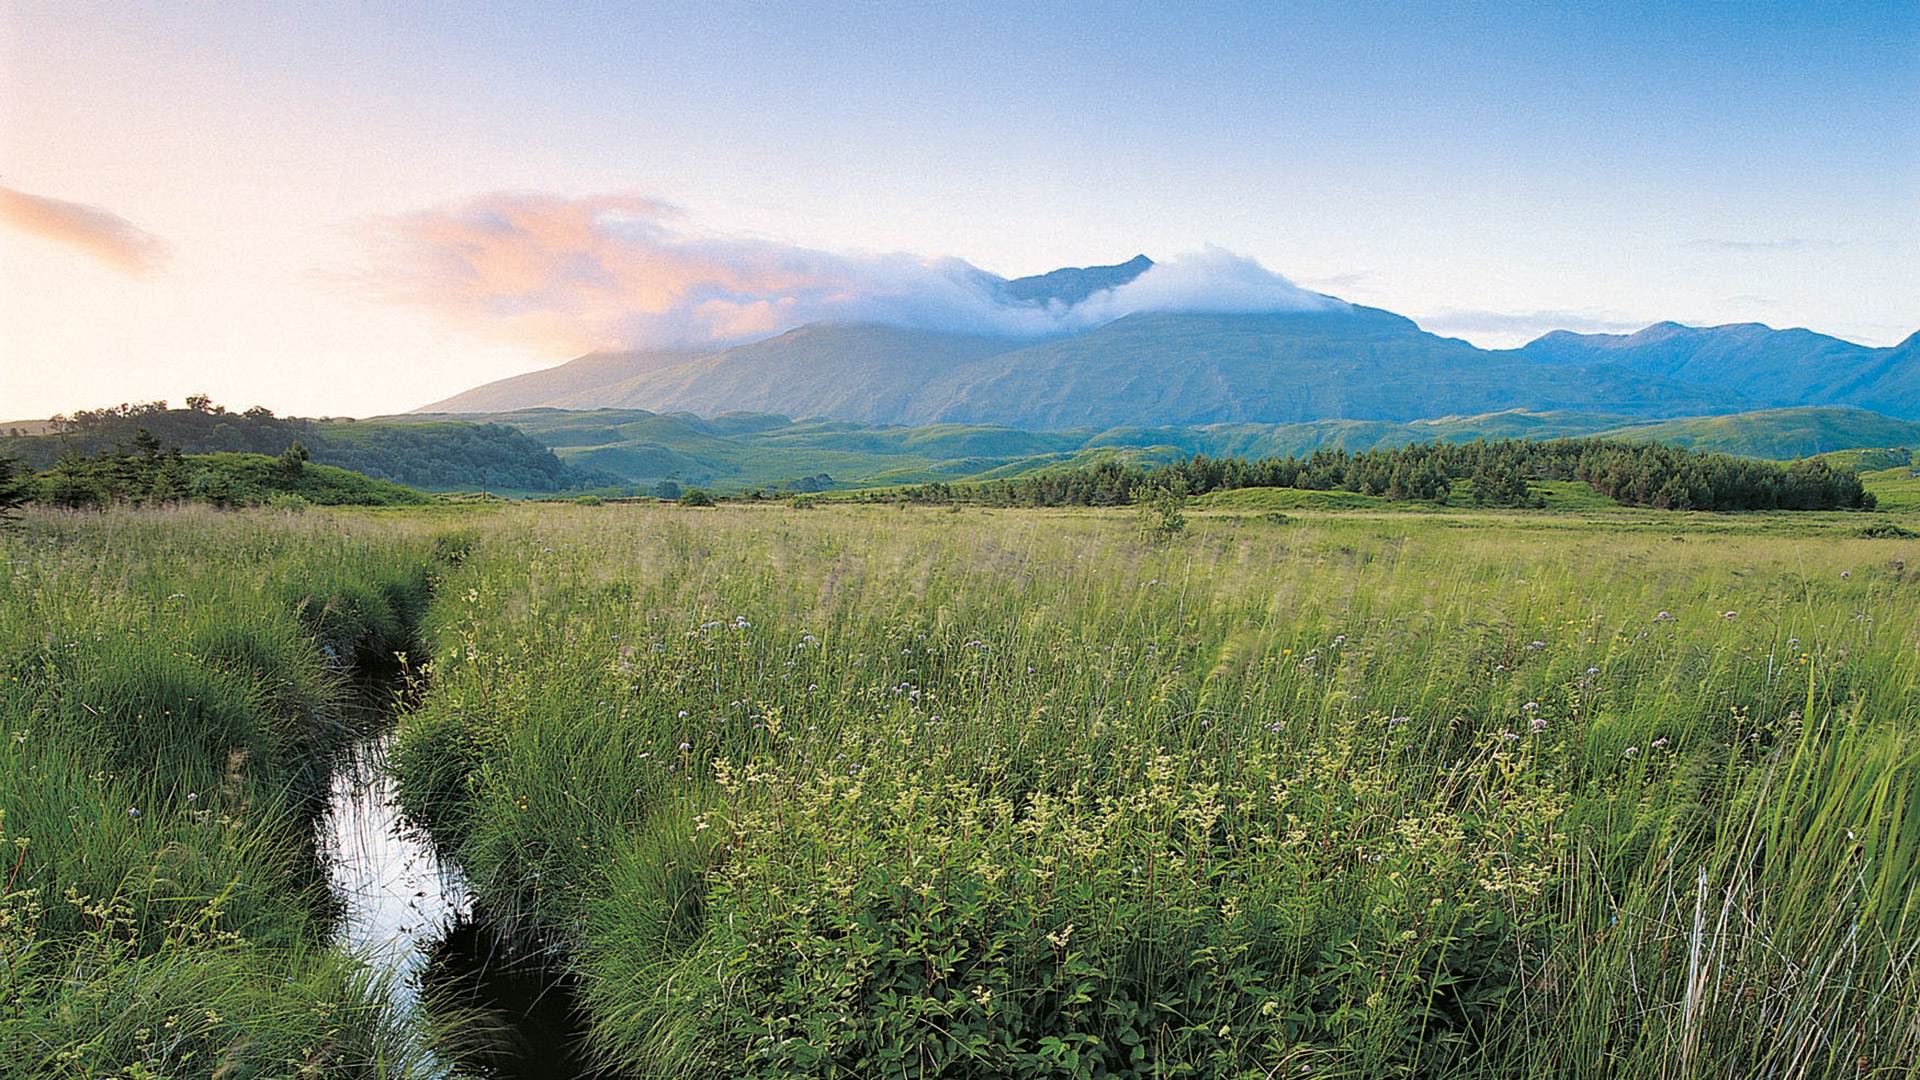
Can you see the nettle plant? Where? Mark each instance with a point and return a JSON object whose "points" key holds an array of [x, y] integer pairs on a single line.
{"points": [[1336, 905]]}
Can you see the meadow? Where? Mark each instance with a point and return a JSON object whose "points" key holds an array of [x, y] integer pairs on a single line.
{"points": [[869, 791], [865, 790], [174, 692]]}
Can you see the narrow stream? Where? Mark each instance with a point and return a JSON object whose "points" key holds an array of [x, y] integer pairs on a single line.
{"points": [[505, 1011], [398, 901]]}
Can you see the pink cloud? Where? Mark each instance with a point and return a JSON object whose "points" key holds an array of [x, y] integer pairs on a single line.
{"points": [[92, 230], [617, 271]]}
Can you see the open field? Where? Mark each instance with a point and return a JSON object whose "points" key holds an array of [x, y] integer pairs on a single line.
{"points": [[880, 791], [875, 790], [172, 695]]}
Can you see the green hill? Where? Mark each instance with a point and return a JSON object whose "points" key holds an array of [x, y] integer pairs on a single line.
{"points": [[736, 452], [448, 455], [150, 475], [1779, 434]]}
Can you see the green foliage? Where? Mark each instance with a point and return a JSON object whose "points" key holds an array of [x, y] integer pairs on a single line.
{"points": [[293, 459], [874, 791], [149, 475], [440, 456], [14, 478], [445, 456], [811, 484], [1162, 516], [1498, 474], [168, 722], [695, 497]]}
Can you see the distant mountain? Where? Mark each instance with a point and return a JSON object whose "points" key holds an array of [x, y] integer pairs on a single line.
{"points": [[1356, 364], [1072, 285], [1150, 369], [582, 375], [1170, 368], [874, 374], [1776, 367]]}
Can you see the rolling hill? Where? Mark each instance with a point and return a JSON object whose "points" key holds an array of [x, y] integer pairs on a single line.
{"points": [[736, 452]]}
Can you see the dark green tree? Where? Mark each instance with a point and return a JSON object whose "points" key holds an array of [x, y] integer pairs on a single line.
{"points": [[293, 460], [13, 492]]}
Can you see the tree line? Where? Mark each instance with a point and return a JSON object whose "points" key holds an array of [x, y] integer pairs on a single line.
{"points": [[146, 472], [440, 455], [1491, 472]]}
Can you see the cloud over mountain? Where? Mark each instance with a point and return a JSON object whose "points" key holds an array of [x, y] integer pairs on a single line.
{"points": [[92, 230], [623, 272]]}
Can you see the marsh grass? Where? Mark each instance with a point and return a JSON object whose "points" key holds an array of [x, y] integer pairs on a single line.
{"points": [[173, 701], [876, 791]]}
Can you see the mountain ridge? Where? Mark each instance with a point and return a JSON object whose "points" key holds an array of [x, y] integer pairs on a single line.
{"points": [[1186, 367]]}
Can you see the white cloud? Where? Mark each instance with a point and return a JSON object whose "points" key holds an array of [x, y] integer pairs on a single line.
{"points": [[607, 272]]}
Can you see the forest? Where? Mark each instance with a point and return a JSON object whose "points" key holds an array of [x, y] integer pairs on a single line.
{"points": [[1496, 473], [439, 456]]}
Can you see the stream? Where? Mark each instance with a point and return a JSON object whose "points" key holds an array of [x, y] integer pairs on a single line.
{"points": [[497, 1007], [397, 898]]}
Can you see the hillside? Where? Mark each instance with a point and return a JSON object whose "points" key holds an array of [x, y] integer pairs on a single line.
{"points": [[149, 475], [444, 456], [744, 451], [1780, 367], [867, 373], [582, 375], [1149, 369], [1293, 367], [1779, 434]]}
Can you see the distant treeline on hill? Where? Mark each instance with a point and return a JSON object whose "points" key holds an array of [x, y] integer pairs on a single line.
{"points": [[147, 473], [442, 456], [1630, 473]]}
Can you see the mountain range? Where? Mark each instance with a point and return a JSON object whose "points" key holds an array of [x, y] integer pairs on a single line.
{"points": [[1329, 361]]}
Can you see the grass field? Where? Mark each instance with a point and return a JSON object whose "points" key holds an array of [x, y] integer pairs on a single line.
{"points": [[881, 791], [171, 692], [1298, 788]]}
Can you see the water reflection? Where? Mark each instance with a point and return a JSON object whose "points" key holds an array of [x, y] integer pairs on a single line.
{"points": [[506, 1010], [495, 1005], [398, 898]]}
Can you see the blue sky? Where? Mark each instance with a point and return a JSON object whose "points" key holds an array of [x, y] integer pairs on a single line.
{"points": [[1491, 170]]}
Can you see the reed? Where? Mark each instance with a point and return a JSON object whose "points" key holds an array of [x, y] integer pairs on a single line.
{"points": [[879, 791], [172, 688]]}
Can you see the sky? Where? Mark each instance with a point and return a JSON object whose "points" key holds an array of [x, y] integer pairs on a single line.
{"points": [[360, 208]]}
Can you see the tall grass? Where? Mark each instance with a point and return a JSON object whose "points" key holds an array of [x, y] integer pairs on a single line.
{"points": [[171, 686], [865, 791]]}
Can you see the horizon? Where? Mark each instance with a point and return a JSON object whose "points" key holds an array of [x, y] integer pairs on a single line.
{"points": [[357, 212]]}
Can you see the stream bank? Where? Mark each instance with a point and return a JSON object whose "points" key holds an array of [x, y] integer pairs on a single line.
{"points": [[492, 1006]]}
